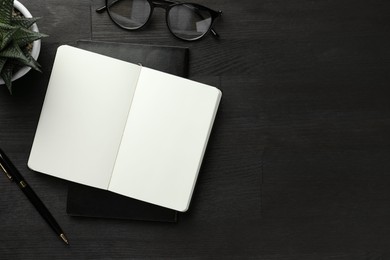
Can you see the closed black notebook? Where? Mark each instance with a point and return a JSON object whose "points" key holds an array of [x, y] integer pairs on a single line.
{"points": [[92, 202]]}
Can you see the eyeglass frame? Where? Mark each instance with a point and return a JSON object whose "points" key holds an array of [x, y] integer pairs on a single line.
{"points": [[167, 5]]}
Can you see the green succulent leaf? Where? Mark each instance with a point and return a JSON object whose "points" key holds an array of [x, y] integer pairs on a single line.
{"points": [[2, 63], [4, 26], [13, 51], [6, 7], [32, 62], [24, 36], [6, 75], [7, 36], [23, 21], [19, 57]]}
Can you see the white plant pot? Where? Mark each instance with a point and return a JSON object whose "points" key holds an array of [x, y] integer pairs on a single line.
{"points": [[36, 44]]}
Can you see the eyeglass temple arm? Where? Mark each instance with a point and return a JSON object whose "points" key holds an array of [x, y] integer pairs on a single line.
{"points": [[216, 14], [104, 7], [215, 34], [101, 9]]}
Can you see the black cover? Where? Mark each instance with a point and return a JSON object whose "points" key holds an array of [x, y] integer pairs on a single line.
{"points": [[91, 202], [87, 201], [173, 60]]}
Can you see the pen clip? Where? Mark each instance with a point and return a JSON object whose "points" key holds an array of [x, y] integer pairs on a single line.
{"points": [[5, 172]]}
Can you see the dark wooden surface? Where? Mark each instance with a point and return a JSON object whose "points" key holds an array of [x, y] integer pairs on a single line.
{"points": [[298, 164]]}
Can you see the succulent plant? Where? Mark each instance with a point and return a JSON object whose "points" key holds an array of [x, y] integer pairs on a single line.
{"points": [[16, 39]]}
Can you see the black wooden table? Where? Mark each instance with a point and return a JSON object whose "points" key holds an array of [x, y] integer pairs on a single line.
{"points": [[298, 163]]}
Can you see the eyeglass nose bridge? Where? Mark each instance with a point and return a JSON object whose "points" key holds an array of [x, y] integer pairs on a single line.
{"points": [[163, 4], [160, 3]]}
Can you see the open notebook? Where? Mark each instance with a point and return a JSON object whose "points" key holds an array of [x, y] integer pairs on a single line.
{"points": [[122, 127], [86, 201]]}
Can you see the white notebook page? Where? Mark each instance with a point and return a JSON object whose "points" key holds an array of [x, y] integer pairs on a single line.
{"points": [[164, 140], [83, 117]]}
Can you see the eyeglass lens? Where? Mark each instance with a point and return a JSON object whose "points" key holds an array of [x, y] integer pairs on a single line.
{"points": [[186, 21], [131, 14]]}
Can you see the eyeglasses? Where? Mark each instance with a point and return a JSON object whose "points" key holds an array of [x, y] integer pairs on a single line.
{"points": [[186, 21]]}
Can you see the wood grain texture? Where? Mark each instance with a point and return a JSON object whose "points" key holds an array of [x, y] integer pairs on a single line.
{"points": [[298, 161]]}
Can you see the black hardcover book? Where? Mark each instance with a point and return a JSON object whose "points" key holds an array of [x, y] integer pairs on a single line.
{"points": [[92, 202]]}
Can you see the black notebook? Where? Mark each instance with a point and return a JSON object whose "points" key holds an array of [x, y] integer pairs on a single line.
{"points": [[92, 202]]}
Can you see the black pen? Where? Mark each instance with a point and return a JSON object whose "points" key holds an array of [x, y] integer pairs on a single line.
{"points": [[14, 175]]}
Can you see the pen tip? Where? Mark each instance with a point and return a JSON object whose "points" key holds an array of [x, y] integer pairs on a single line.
{"points": [[63, 237]]}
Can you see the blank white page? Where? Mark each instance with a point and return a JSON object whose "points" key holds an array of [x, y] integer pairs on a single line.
{"points": [[83, 116], [164, 140]]}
